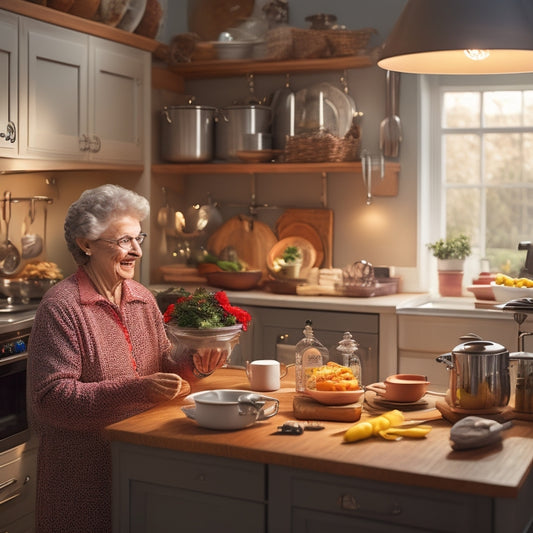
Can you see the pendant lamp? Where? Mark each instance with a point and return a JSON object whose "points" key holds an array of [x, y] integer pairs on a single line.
{"points": [[461, 37]]}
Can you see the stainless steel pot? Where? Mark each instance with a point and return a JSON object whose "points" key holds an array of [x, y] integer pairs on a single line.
{"points": [[479, 376], [187, 133], [233, 122]]}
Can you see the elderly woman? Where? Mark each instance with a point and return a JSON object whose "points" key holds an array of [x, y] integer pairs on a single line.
{"points": [[97, 354]]}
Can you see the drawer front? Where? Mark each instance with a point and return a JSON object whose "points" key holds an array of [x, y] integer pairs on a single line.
{"points": [[17, 488], [160, 509], [428, 509], [213, 475]]}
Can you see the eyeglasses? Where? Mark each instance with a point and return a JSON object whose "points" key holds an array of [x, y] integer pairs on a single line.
{"points": [[126, 243]]}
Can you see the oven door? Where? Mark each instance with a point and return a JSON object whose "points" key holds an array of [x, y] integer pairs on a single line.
{"points": [[14, 428]]}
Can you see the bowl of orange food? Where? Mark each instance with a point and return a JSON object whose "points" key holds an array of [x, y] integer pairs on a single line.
{"points": [[333, 384]]}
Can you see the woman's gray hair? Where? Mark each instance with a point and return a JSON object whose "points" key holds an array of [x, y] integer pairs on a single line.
{"points": [[90, 215]]}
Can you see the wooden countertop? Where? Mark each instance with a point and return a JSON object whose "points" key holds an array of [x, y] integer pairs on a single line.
{"points": [[430, 462]]}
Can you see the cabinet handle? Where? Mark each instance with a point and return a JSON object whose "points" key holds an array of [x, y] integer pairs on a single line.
{"points": [[348, 502], [11, 132], [95, 144], [84, 143], [5, 485]]}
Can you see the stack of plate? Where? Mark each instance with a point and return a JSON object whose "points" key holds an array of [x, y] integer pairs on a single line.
{"points": [[123, 14]]}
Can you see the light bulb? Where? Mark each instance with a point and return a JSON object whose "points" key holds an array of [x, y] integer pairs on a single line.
{"points": [[477, 55]]}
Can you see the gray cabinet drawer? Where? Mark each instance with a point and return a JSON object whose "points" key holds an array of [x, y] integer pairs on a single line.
{"points": [[299, 493], [208, 474]]}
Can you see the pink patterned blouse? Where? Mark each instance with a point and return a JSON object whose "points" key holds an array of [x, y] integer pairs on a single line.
{"points": [[85, 358]]}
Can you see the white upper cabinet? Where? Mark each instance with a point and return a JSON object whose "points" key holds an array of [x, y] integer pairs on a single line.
{"points": [[8, 84], [81, 97], [116, 100], [53, 92]]}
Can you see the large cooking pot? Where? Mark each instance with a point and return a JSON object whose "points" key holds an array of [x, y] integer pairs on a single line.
{"points": [[233, 122], [479, 376], [187, 133]]}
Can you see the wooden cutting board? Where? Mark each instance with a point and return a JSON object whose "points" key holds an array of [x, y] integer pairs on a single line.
{"points": [[321, 220], [308, 409], [251, 239]]}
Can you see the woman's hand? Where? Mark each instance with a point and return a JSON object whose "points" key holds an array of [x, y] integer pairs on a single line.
{"points": [[165, 386], [207, 360]]}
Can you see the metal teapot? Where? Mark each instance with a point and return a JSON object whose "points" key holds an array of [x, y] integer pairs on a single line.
{"points": [[479, 376]]}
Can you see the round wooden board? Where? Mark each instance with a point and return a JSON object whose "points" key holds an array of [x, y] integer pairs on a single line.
{"points": [[306, 231], [251, 239]]}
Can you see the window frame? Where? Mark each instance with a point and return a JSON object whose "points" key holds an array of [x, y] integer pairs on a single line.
{"points": [[431, 208]]}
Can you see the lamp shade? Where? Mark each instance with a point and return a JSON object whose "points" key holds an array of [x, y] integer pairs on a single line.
{"points": [[461, 37]]}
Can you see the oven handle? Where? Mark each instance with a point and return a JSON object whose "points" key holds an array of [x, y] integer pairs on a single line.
{"points": [[5, 485], [13, 359]]}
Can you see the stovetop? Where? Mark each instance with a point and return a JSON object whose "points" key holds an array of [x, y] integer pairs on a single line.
{"points": [[16, 315]]}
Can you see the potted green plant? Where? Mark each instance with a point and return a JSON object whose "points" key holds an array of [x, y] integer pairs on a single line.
{"points": [[451, 254], [290, 262]]}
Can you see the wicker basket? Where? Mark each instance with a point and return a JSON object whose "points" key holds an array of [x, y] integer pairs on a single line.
{"points": [[321, 147], [348, 42], [295, 43]]}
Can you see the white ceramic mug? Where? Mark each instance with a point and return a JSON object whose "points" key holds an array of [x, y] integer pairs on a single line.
{"points": [[265, 374]]}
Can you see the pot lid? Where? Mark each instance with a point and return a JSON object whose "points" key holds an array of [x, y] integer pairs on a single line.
{"points": [[480, 347]]}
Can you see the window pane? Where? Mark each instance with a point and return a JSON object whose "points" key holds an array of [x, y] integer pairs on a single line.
{"points": [[527, 171], [502, 108], [461, 110], [462, 158], [503, 158], [528, 108], [462, 212], [509, 221]]}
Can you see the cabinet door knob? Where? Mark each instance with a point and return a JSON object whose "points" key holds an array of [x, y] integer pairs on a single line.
{"points": [[11, 132], [95, 144], [84, 143]]}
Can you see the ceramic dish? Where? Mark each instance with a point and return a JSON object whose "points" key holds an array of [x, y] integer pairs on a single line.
{"points": [[502, 293], [237, 281], [227, 409], [376, 402], [482, 292], [338, 109], [133, 15], [230, 50], [335, 397], [112, 11], [256, 156]]}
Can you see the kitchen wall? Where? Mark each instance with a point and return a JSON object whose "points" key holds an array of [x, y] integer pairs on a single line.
{"points": [[385, 232]]}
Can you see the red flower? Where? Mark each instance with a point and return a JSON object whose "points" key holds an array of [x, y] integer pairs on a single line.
{"points": [[168, 313]]}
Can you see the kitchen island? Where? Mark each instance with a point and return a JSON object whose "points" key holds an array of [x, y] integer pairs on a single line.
{"points": [[170, 474]]}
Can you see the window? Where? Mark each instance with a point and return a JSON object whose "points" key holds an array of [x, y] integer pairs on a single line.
{"points": [[482, 170]]}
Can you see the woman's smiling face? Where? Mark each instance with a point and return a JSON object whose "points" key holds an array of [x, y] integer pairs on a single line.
{"points": [[108, 260]]}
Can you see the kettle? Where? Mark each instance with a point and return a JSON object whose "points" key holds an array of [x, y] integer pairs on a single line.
{"points": [[479, 376]]}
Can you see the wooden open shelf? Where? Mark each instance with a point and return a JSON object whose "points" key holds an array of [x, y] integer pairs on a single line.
{"points": [[388, 186]]}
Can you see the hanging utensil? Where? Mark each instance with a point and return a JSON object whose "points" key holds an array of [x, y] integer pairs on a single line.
{"points": [[31, 243], [163, 219], [9, 254], [395, 123]]}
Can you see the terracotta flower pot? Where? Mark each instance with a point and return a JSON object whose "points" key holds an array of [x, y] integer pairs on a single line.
{"points": [[450, 283]]}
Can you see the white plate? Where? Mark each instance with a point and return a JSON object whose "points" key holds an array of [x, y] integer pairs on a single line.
{"points": [[338, 109], [502, 293], [133, 15], [112, 11]]}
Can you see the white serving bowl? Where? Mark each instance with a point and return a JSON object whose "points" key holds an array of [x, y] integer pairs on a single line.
{"points": [[229, 409], [233, 49], [503, 293]]}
